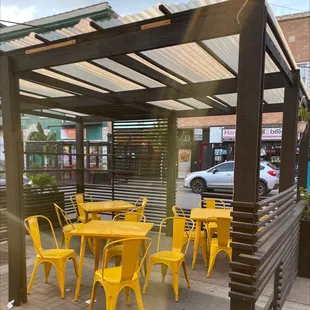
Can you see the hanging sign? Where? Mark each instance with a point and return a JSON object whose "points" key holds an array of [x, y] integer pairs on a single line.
{"points": [[198, 134]]}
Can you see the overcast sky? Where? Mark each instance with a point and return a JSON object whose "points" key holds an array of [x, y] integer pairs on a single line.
{"points": [[26, 10]]}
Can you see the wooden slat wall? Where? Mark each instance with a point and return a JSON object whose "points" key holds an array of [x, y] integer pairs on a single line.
{"points": [[274, 248], [140, 164], [47, 204]]}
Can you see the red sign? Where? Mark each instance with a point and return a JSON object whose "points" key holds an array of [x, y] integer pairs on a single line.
{"points": [[69, 134]]}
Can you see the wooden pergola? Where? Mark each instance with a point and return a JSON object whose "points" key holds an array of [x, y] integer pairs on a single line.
{"points": [[177, 96]]}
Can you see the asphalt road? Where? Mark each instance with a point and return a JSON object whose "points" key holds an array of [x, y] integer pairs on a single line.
{"points": [[186, 199]]}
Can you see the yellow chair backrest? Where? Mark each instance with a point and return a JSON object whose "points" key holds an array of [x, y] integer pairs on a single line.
{"points": [[211, 203], [130, 256], [32, 225], [76, 200], [140, 204], [131, 216], [62, 216], [177, 211], [223, 231], [179, 225]]}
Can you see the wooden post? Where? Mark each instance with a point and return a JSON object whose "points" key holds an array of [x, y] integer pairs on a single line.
{"points": [[14, 164], [289, 133], [172, 170], [253, 20], [79, 127]]}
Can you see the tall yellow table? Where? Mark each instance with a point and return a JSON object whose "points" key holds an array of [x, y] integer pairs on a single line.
{"points": [[99, 230], [201, 215], [105, 206]]}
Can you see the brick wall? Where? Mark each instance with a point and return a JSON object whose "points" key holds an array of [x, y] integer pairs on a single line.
{"points": [[223, 120], [296, 29]]}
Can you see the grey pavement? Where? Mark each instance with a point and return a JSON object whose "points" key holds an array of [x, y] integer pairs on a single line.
{"points": [[205, 293]]}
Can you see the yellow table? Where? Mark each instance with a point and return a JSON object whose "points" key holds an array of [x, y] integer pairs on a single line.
{"points": [[201, 215], [105, 206], [99, 230]]}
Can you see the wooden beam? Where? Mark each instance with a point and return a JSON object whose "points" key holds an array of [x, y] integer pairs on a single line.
{"points": [[289, 133], [14, 181], [252, 49], [279, 61], [79, 128], [131, 39]]}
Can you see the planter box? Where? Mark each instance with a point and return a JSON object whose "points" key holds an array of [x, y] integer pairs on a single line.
{"points": [[304, 250], [43, 204]]}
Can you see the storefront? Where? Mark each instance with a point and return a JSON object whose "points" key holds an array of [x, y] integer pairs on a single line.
{"points": [[222, 141]]}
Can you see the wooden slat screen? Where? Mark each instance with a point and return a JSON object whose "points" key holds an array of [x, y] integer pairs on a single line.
{"points": [[140, 151]]}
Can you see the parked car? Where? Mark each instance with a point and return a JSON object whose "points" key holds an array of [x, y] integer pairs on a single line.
{"points": [[222, 177], [26, 180]]}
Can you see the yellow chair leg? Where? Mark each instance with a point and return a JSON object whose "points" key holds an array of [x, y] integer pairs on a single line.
{"points": [[149, 269], [67, 240], [211, 262], [137, 290], [186, 274], [127, 293], [47, 270], [164, 268], [204, 246], [33, 275], [93, 295], [175, 281], [61, 280], [75, 266], [111, 300]]}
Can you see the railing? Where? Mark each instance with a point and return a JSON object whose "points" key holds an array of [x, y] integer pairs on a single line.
{"points": [[269, 252]]}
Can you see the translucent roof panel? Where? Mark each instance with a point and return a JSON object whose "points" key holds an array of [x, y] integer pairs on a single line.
{"points": [[41, 90], [118, 68], [170, 105], [189, 61], [231, 99], [93, 74], [31, 95], [195, 103], [274, 95], [69, 113], [67, 79]]}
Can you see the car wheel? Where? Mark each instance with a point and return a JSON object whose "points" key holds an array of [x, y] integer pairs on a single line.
{"points": [[262, 189], [198, 186]]}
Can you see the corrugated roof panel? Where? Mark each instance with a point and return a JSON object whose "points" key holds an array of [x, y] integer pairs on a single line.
{"points": [[195, 103], [31, 95], [274, 95], [189, 60], [147, 63], [231, 99], [69, 113], [170, 105], [67, 79], [90, 73], [41, 90], [118, 68]]}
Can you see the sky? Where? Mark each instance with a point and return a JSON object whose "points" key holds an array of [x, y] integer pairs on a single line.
{"points": [[23, 11]]}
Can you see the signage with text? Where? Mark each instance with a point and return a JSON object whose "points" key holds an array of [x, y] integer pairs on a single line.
{"points": [[69, 134], [268, 133]]}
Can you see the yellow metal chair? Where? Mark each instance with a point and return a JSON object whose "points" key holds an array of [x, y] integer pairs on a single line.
{"points": [[174, 258], [116, 251], [56, 257], [211, 225], [66, 225], [177, 212], [76, 200], [140, 205], [126, 276], [221, 243]]}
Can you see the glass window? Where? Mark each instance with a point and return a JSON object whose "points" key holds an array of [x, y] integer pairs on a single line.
{"points": [[225, 167]]}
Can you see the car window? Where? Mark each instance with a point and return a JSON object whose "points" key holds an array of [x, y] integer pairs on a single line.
{"points": [[272, 166], [225, 167], [262, 167]]}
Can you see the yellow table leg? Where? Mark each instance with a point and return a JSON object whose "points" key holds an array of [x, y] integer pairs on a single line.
{"points": [[80, 271], [196, 243], [97, 246], [94, 216], [145, 261]]}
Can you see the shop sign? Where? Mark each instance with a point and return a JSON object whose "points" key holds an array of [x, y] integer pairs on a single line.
{"points": [[198, 134], [69, 134], [184, 162], [268, 133]]}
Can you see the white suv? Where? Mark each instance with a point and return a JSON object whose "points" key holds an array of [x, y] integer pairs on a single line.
{"points": [[222, 177]]}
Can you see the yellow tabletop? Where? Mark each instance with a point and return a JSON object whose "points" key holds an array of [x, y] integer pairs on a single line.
{"points": [[202, 214], [106, 206], [112, 229]]}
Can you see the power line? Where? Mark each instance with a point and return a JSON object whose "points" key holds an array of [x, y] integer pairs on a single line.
{"points": [[285, 7]]}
